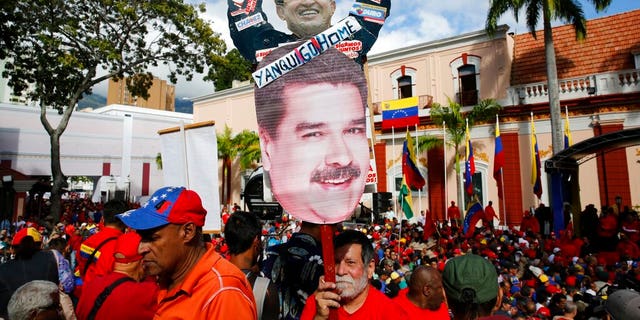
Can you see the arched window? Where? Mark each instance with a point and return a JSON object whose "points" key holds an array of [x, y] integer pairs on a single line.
{"points": [[468, 93], [405, 87], [465, 71], [403, 82]]}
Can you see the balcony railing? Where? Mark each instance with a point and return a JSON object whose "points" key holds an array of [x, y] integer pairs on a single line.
{"points": [[615, 82]]}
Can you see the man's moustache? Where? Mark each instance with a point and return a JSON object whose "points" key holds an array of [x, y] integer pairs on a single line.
{"points": [[345, 279], [341, 173]]}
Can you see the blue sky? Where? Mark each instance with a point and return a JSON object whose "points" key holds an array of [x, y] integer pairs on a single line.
{"points": [[411, 22]]}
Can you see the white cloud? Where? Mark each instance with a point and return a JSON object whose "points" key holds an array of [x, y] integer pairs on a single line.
{"points": [[411, 22]]}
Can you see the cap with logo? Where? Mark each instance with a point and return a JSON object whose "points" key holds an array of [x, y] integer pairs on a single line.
{"points": [[176, 205]]}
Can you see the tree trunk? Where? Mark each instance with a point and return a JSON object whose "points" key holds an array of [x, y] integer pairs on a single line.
{"points": [[225, 197], [58, 178], [228, 183], [59, 181], [223, 178], [552, 83]]}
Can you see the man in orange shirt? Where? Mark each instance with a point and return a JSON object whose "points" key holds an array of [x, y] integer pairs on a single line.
{"points": [[195, 281]]}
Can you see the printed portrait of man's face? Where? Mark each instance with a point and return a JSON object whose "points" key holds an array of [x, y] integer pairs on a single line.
{"points": [[313, 137], [306, 18]]}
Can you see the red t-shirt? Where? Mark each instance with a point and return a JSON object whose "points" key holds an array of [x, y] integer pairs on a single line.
{"points": [[628, 248], [530, 222], [417, 313], [608, 226], [129, 300], [103, 259], [632, 229], [376, 307], [453, 212], [489, 214]]}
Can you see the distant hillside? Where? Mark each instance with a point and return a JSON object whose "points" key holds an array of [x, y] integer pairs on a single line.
{"points": [[95, 101], [184, 105]]}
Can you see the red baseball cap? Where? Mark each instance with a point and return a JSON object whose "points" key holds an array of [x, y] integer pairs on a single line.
{"points": [[544, 311], [127, 248], [176, 205], [30, 231]]}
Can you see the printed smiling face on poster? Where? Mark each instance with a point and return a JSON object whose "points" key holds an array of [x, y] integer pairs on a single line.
{"points": [[313, 138], [254, 36], [306, 18]]}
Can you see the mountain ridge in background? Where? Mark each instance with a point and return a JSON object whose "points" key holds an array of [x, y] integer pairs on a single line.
{"points": [[95, 101]]}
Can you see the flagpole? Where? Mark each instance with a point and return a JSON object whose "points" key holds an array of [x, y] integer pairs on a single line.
{"points": [[393, 147], [504, 205], [183, 135], [533, 156], [402, 208], [467, 143], [419, 190], [444, 146]]}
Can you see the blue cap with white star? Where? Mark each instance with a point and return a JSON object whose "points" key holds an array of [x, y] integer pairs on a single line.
{"points": [[176, 205]]}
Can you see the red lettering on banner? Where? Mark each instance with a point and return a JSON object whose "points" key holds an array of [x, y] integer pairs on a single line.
{"points": [[372, 176]]}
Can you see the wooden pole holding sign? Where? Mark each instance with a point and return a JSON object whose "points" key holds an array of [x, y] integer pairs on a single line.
{"points": [[328, 256]]}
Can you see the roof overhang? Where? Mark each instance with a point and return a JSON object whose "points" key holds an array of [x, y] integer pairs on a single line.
{"points": [[570, 158]]}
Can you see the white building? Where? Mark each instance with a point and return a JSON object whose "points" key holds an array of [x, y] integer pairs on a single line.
{"points": [[117, 140]]}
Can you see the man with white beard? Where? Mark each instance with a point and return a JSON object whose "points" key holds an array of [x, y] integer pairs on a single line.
{"points": [[351, 294]]}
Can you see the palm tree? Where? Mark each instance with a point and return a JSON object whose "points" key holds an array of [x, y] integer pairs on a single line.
{"points": [[244, 146], [569, 11], [426, 143], [248, 144], [454, 120]]}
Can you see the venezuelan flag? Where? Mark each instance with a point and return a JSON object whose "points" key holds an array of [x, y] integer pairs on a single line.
{"points": [[409, 167], [470, 165], [567, 130], [472, 217], [498, 159], [400, 113], [535, 162]]}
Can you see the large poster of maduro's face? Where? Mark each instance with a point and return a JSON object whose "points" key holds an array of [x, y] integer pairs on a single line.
{"points": [[313, 136]]}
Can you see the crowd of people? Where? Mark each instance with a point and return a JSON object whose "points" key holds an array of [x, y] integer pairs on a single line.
{"points": [[257, 269], [154, 261]]}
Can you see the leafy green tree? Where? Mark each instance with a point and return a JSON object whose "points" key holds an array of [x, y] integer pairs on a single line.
{"points": [[428, 142], [244, 146], [569, 11], [57, 50], [233, 66], [248, 143], [454, 120]]}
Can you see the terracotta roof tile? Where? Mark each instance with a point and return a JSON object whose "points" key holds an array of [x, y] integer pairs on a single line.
{"points": [[607, 47]]}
